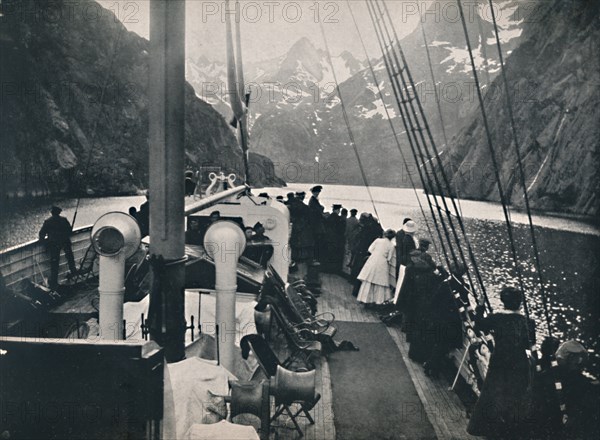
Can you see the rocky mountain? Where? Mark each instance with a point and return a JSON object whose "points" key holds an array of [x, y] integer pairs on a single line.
{"points": [[74, 115], [296, 95], [554, 76]]}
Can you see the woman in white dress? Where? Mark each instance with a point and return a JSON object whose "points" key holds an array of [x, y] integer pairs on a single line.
{"points": [[375, 275]]}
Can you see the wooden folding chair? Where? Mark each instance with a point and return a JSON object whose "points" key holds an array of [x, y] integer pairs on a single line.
{"points": [[294, 388], [86, 270]]}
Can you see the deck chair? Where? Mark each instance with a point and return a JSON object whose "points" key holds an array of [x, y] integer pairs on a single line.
{"points": [[302, 343], [295, 310], [252, 398], [137, 280], [86, 271], [294, 388], [267, 359]]}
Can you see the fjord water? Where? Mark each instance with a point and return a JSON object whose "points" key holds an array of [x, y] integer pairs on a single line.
{"points": [[569, 249]]}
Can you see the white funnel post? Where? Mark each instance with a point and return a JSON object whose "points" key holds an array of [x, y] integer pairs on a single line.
{"points": [[224, 242], [111, 289], [115, 236]]}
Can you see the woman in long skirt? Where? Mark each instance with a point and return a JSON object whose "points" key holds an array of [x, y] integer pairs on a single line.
{"points": [[504, 404], [375, 274]]}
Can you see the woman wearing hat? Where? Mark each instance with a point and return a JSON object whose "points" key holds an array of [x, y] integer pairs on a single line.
{"points": [[504, 404], [405, 244], [375, 274]]}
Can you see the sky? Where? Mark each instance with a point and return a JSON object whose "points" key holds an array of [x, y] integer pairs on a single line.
{"points": [[270, 28]]}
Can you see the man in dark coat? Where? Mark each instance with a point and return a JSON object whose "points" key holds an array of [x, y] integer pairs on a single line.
{"points": [[335, 239], [404, 243], [301, 195], [351, 227], [444, 330], [317, 222], [302, 240], [56, 234], [290, 198]]}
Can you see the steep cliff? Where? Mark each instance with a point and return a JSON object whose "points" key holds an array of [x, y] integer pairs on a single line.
{"points": [[74, 115], [554, 81]]}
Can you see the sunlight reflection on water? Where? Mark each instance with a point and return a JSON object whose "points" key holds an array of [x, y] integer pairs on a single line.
{"points": [[569, 249]]}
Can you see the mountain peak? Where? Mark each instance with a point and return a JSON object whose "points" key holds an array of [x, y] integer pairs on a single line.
{"points": [[303, 43]]}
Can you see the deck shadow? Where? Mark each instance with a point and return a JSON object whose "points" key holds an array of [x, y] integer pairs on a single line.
{"points": [[373, 394]]}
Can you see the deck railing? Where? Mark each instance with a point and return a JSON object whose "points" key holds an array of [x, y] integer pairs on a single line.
{"points": [[31, 260]]}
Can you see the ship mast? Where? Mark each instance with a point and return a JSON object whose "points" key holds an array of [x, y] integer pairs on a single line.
{"points": [[235, 82], [166, 126]]}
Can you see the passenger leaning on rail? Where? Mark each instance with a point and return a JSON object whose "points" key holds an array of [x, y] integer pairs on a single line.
{"points": [[56, 234], [504, 406]]}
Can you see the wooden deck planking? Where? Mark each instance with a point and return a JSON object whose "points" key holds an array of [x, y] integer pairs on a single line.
{"points": [[322, 413], [442, 406]]}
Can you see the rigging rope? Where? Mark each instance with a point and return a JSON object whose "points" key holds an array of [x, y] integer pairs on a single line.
{"points": [[438, 101], [438, 157], [387, 113], [347, 121], [484, 52], [410, 140], [403, 68], [521, 171], [100, 113], [494, 159]]}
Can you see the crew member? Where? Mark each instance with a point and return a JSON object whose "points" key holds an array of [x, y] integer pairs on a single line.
{"points": [[301, 195], [302, 240], [56, 234], [317, 222], [335, 240]]}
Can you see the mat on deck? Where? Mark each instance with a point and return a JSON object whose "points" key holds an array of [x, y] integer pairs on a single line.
{"points": [[373, 394]]}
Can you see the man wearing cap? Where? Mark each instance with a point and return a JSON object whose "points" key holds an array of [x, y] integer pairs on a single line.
{"points": [[56, 234], [317, 222], [257, 248], [335, 241], [301, 241], [301, 195], [290, 197]]}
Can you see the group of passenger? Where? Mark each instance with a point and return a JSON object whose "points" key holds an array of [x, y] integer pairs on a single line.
{"points": [[318, 236]]}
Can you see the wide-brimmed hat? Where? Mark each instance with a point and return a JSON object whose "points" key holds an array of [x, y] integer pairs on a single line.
{"points": [[410, 227], [56, 210], [316, 189]]}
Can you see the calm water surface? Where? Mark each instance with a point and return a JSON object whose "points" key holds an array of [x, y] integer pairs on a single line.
{"points": [[569, 249]]}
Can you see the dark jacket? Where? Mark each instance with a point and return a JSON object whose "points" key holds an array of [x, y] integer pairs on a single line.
{"points": [[56, 229], [316, 215], [405, 244]]}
